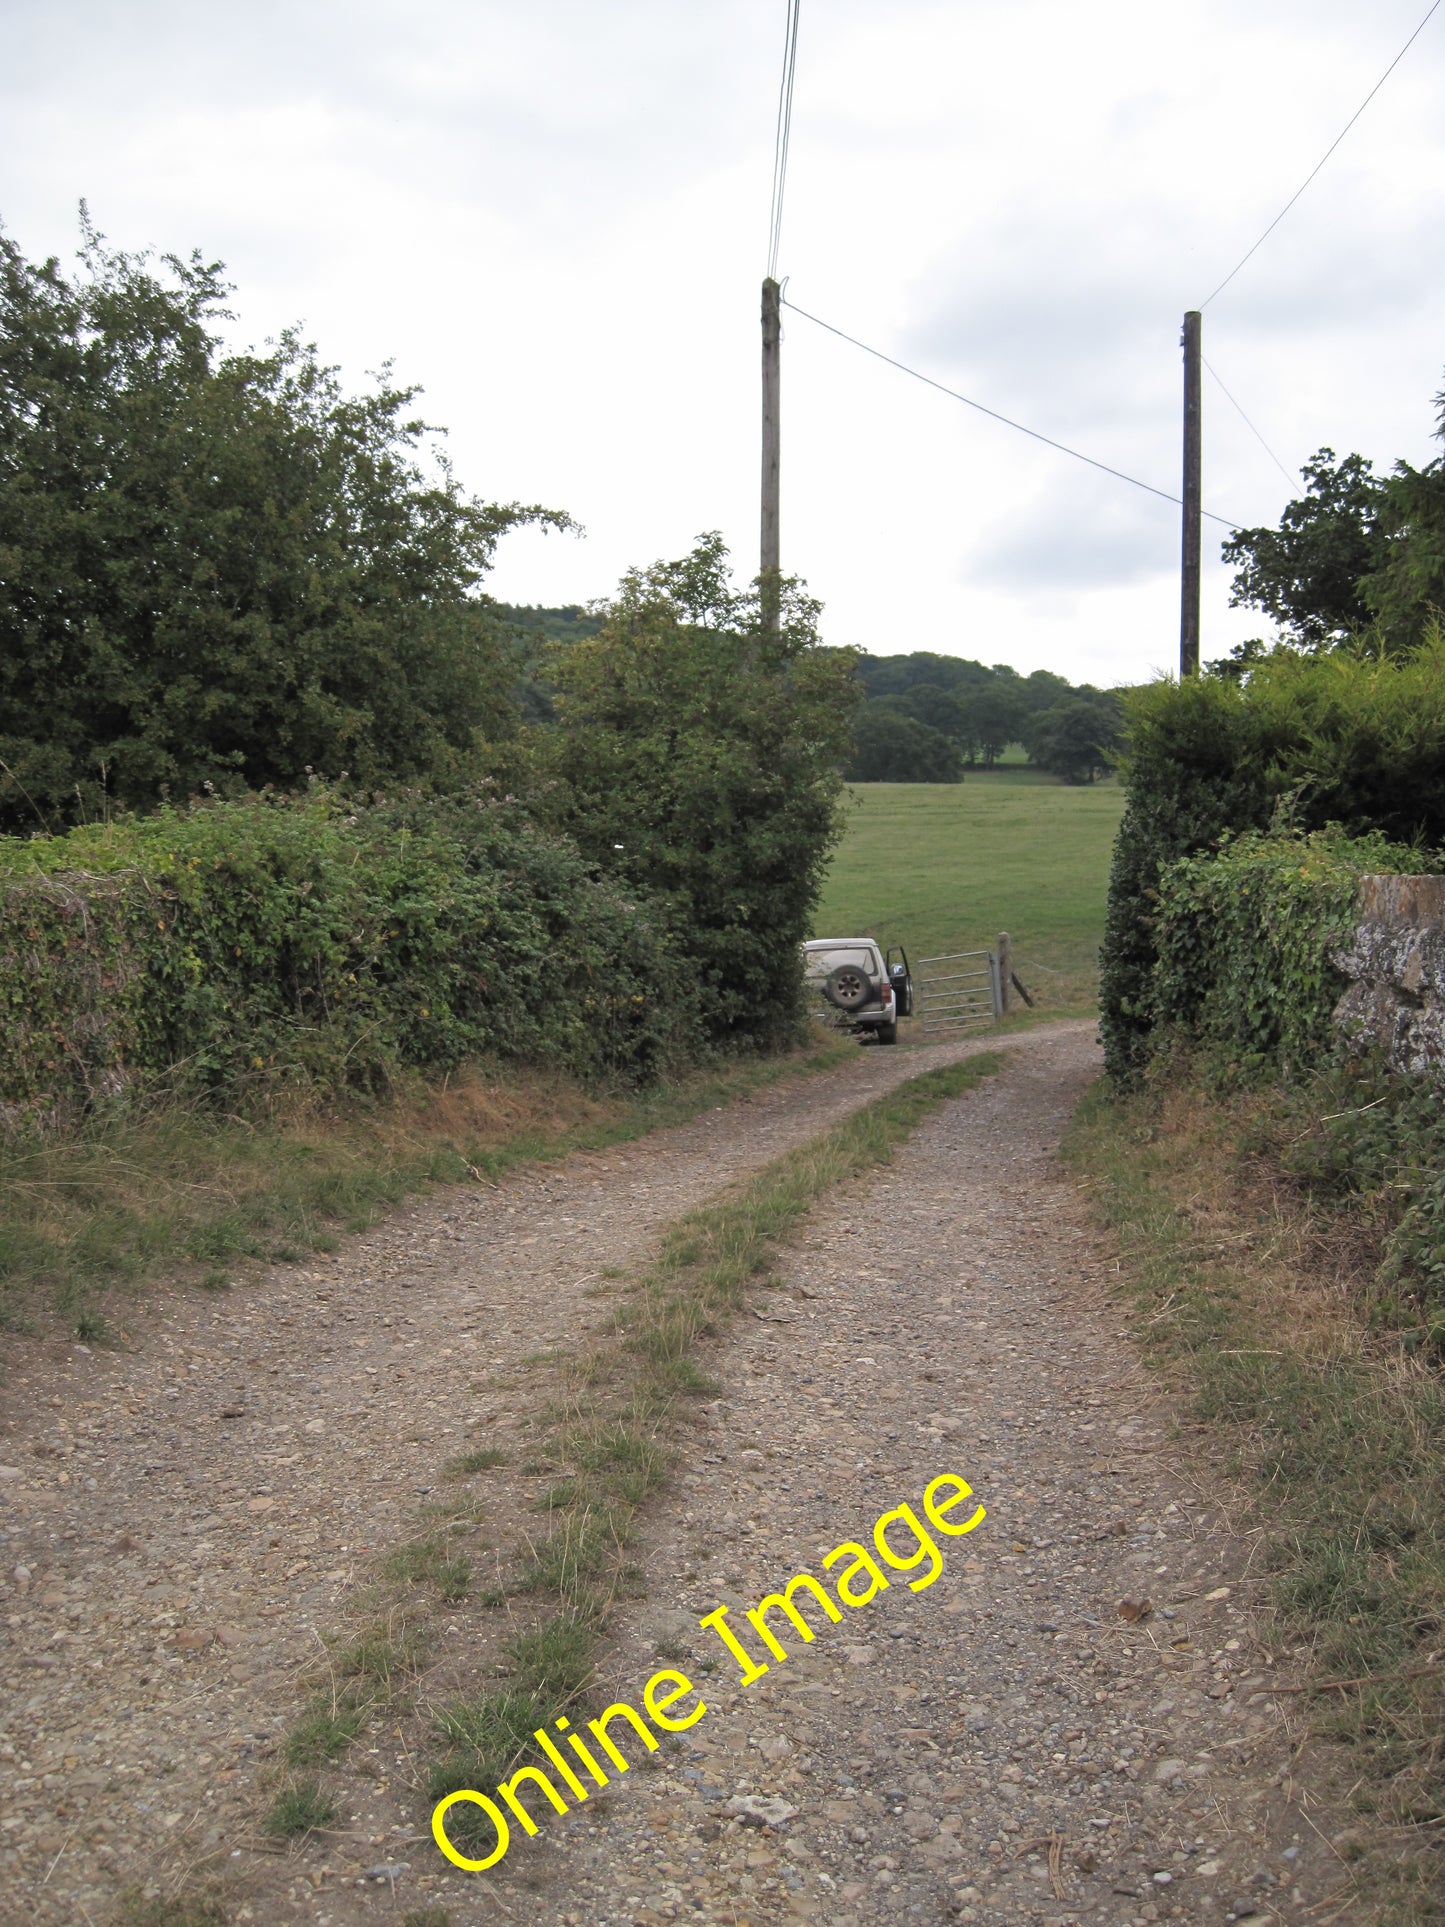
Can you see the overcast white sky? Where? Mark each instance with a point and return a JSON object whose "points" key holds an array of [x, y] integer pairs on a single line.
{"points": [[553, 215]]}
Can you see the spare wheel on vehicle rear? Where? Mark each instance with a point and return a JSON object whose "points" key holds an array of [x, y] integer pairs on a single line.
{"points": [[847, 987]]}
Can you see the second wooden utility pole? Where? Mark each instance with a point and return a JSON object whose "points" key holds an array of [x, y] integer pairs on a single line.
{"points": [[1189, 556], [770, 570]]}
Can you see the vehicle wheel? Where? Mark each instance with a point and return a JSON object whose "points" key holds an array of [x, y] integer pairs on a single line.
{"points": [[847, 987], [888, 1033]]}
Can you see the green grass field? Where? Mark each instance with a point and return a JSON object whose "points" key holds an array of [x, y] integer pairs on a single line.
{"points": [[940, 867]]}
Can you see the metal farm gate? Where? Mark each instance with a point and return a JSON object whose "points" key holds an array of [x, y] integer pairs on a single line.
{"points": [[961, 992]]}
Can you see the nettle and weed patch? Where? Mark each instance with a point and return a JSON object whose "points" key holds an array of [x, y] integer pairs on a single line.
{"points": [[611, 1433], [1243, 991], [1365, 1147], [1257, 1294]]}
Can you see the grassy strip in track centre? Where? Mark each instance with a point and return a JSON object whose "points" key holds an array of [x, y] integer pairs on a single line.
{"points": [[1255, 1306], [186, 1194], [612, 1432]]}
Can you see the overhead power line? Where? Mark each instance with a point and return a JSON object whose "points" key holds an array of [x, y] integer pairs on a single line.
{"points": [[1248, 423], [783, 135], [1323, 158], [994, 415]]}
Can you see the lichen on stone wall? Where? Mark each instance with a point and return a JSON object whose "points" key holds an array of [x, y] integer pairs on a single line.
{"points": [[1395, 963]]}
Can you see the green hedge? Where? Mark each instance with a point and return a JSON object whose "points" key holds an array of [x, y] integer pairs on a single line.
{"points": [[1193, 775], [1243, 940], [239, 949], [1344, 739]]}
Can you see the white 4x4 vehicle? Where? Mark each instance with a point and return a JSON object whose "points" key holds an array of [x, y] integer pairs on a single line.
{"points": [[864, 990]]}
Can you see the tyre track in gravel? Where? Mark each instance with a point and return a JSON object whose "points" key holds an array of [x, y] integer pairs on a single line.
{"points": [[182, 1519]]}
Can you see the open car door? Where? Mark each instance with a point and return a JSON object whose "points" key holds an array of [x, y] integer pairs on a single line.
{"points": [[901, 978]]}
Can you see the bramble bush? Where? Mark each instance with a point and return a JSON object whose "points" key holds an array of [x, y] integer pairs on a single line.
{"points": [[239, 950]]}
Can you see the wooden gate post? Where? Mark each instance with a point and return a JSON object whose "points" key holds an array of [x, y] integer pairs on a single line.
{"points": [[1005, 971]]}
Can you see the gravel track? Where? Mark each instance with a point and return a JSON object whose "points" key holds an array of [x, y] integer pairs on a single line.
{"points": [[185, 1518]]}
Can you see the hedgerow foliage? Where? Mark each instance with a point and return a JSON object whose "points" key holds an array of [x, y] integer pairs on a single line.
{"points": [[239, 949], [1345, 739], [220, 574], [1244, 943], [696, 754]]}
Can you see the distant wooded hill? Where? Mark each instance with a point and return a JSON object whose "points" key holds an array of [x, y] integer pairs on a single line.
{"points": [[556, 625], [532, 629], [924, 718]]}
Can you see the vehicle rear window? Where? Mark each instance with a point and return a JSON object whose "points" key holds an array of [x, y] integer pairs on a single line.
{"points": [[821, 963]]}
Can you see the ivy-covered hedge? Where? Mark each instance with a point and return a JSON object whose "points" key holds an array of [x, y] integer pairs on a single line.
{"points": [[238, 949], [1244, 936], [1341, 739]]}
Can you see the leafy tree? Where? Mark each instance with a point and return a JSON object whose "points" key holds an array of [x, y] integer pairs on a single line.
{"points": [[1043, 689], [1406, 591], [219, 569], [892, 747], [897, 675], [697, 753], [532, 629], [1306, 574], [932, 705], [1356, 553], [992, 717], [1079, 739]]}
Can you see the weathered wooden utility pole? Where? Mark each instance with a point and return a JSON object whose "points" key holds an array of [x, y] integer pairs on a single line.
{"points": [[770, 570], [1189, 558]]}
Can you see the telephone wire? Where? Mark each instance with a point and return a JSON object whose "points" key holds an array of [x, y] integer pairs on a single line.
{"points": [[784, 135]]}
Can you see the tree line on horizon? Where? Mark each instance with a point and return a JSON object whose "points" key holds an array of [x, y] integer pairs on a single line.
{"points": [[928, 718], [922, 717]]}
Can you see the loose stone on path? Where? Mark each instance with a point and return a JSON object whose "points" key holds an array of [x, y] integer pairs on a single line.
{"points": [[1003, 1746], [187, 1520]]}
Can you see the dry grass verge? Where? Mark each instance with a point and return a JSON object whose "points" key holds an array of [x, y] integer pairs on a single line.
{"points": [[190, 1195], [1257, 1305]]}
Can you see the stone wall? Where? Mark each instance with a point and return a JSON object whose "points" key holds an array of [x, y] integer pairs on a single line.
{"points": [[1396, 966]]}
